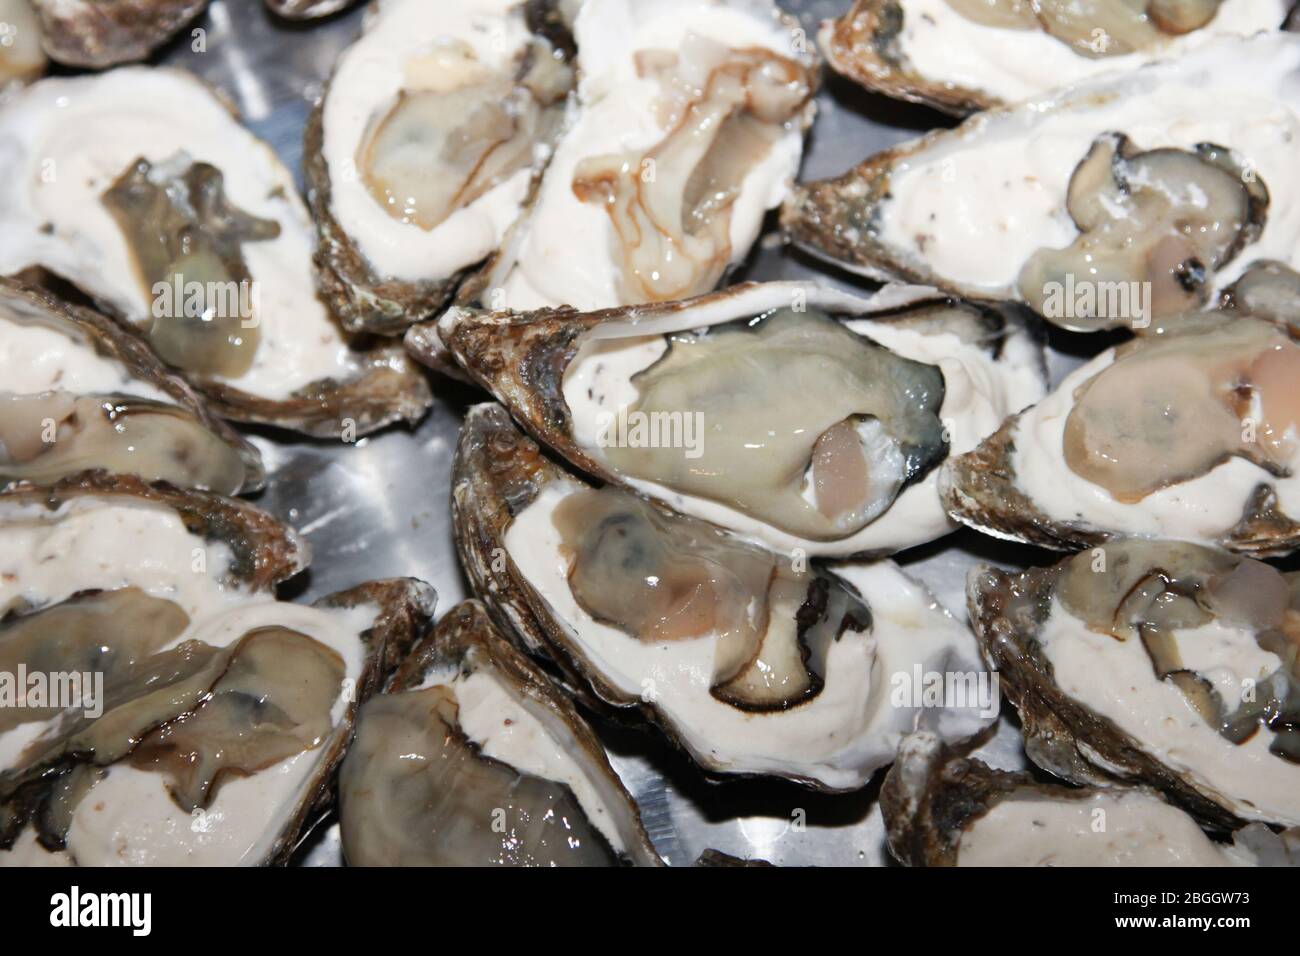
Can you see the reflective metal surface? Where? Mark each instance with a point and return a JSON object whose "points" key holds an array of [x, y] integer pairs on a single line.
{"points": [[379, 507]]}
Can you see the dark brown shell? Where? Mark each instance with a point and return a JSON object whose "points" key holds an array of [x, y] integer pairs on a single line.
{"points": [[109, 339], [1061, 735], [979, 489], [468, 626], [94, 34], [863, 46]]}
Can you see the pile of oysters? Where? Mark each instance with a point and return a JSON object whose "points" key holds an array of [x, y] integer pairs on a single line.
{"points": [[677, 496]]}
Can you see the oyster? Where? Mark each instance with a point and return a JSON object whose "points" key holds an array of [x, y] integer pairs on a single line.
{"points": [[752, 662], [141, 189], [94, 34], [773, 418], [1119, 201], [1187, 435], [965, 55], [424, 148], [1158, 662], [508, 772], [688, 127], [81, 393], [22, 59], [167, 710], [942, 809]]}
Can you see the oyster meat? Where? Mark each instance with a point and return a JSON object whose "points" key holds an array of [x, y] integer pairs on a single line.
{"points": [[81, 393], [688, 127], [1120, 201], [22, 59], [140, 188], [797, 416], [94, 34], [1187, 435], [166, 709], [473, 757], [943, 809], [965, 55], [1157, 662], [425, 146], [753, 662]]}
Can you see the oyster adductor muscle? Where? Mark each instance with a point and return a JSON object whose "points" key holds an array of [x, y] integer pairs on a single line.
{"points": [[1156, 662], [796, 416], [474, 757], [802, 662]]}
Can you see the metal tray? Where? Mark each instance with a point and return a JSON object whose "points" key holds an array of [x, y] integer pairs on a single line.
{"points": [[379, 507]]}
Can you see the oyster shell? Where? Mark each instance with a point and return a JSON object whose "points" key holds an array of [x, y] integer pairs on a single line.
{"points": [[810, 670], [1153, 662], [1184, 435], [943, 809], [961, 56], [94, 34], [173, 626], [22, 59], [688, 128], [81, 393], [140, 188], [1117, 201], [495, 737], [424, 148], [848, 418]]}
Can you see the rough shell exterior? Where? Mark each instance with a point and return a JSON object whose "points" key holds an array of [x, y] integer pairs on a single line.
{"points": [[94, 34]]}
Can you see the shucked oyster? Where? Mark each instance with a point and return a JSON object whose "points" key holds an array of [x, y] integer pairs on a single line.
{"points": [[1189, 435], [1156, 662], [754, 663], [474, 758], [966, 55], [758, 409], [140, 188], [99, 33], [688, 127], [1120, 201], [162, 707], [81, 393], [22, 58], [425, 146], [942, 809]]}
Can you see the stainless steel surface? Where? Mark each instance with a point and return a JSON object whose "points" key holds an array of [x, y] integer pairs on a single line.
{"points": [[379, 507]]}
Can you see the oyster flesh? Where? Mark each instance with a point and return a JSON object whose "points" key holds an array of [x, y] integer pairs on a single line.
{"points": [[1155, 662], [166, 709], [943, 809], [754, 663], [1119, 201], [473, 757], [141, 189], [797, 416], [22, 59], [424, 149], [94, 34], [1188, 435], [965, 55], [82, 393]]}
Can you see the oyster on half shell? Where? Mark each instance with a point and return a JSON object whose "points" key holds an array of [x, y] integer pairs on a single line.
{"points": [[94, 34], [425, 147], [943, 809], [965, 55], [1188, 435], [22, 58], [140, 188], [82, 393], [1123, 200], [1154, 662], [473, 757], [205, 719], [752, 662], [794, 415]]}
